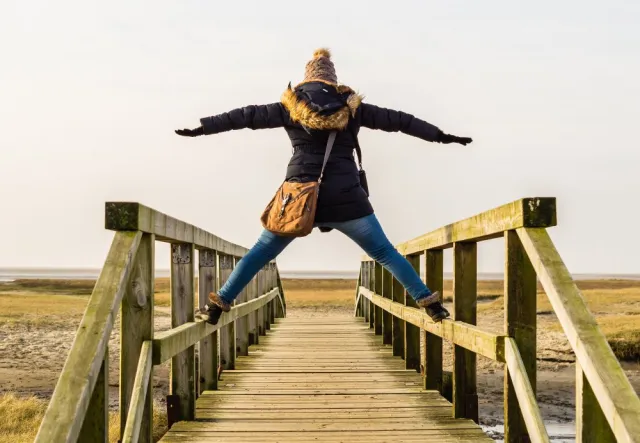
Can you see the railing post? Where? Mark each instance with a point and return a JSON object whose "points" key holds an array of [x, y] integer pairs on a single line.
{"points": [[95, 426], [366, 307], [433, 343], [591, 424], [272, 285], [465, 394], [397, 291], [242, 326], [282, 307], [261, 290], [182, 311], [265, 308], [386, 288], [253, 317], [412, 332], [370, 285], [377, 288], [208, 355], [520, 323], [136, 326], [358, 310], [227, 333]]}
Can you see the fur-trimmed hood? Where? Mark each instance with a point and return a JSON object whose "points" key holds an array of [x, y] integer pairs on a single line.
{"points": [[301, 111]]}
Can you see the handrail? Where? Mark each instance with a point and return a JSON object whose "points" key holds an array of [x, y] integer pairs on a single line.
{"points": [[65, 414], [173, 341], [614, 392], [606, 395], [78, 410]]}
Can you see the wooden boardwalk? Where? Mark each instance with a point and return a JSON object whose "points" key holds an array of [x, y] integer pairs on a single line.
{"points": [[322, 379]]}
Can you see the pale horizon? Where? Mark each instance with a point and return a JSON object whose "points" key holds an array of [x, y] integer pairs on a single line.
{"points": [[92, 92]]}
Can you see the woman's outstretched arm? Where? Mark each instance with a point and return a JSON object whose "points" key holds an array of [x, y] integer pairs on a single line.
{"points": [[374, 117], [253, 117]]}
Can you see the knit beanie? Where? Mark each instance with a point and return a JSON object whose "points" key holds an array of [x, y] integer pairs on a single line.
{"points": [[320, 68]]}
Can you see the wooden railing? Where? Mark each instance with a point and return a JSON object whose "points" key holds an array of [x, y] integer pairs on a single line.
{"points": [[78, 411], [608, 408]]}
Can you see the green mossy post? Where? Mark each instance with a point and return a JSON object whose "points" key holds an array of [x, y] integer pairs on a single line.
{"points": [[95, 426], [433, 343], [183, 375], [520, 323], [208, 352], [465, 393], [591, 423], [411, 332], [136, 326]]}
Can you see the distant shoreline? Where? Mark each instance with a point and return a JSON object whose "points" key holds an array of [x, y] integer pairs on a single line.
{"points": [[10, 274]]}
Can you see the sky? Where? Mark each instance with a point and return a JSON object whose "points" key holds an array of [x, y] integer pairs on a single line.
{"points": [[91, 92]]}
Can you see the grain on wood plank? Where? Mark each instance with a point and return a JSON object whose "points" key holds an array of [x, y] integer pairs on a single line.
{"points": [[591, 423], [520, 323], [607, 379], [141, 398], [136, 326], [525, 395], [70, 400], [131, 216], [182, 375], [95, 426], [465, 394], [433, 344], [208, 347]]}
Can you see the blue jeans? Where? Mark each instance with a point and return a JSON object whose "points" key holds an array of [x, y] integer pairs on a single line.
{"points": [[365, 231]]}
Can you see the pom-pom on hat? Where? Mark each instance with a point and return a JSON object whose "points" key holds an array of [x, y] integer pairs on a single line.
{"points": [[320, 68]]}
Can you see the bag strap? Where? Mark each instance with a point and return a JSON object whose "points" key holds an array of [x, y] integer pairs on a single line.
{"points": [[327, 152]]}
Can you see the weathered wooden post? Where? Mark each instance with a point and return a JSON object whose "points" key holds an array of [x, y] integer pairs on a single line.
{"points": [[371, 287], [520, 323], [376, 286], [265, 309], [227, 333], [253, 316], [412, 332], [386, 287], [465, 394], [208, 353], [183, 389], [242, 325], [433, 343], [272, 285], [136, 326], [358, 309], [95, 426], [365, 283], [397, 293], [591, 424]]}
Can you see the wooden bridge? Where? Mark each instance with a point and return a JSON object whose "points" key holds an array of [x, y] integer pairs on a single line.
{"points": [[355, 379]]}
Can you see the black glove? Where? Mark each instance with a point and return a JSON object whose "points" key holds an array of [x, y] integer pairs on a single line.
{"points": [[448, 138], [190, 132]]}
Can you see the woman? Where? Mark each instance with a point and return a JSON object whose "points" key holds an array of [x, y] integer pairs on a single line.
{"points": [[309, 112]]}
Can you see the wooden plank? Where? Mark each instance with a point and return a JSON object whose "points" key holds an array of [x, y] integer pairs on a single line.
{"points": [[386, 290], [228, 332], [591, 423], [536, 212], [412, 332], [129, 216], [142, 397], [242, 326], [373, 281], [520, 323], [397, 293], [358, 312], [262, 288], [254, 336], [468, 336], [136, 326], [182, 376], [95, 426], [208, 346], [70, 401], [433, 343], [525, 395], [610, 385], [465, 393], [169, 343]]}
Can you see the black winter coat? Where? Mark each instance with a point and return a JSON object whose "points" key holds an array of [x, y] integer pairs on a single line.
{"points": [[309, 113]]}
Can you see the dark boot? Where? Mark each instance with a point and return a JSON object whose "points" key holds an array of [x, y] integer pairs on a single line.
{"points": [[212, 311], [434, 308]]}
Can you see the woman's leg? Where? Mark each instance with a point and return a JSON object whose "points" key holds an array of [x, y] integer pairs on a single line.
{"points": [[368, 234], [268, 247]]}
